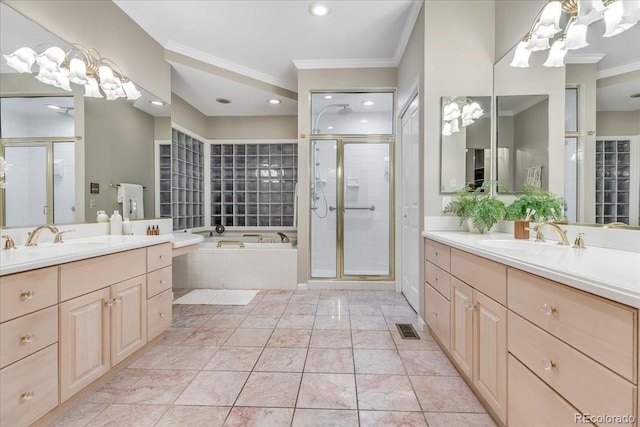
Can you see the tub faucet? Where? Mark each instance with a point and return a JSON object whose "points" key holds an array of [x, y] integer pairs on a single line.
{"points": [[256, 235], [32, 240], [562, 234], [283, 237]]}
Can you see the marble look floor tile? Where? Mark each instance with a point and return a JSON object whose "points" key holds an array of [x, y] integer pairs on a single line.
{"points": [[445, 394], [269, 308], [327, 391], [333, 307], [444, 419], [274, 359], [151, 357], [292, 321], [175, 336], [378, 362], [329, 360], [390, 298], [234, 359], [186, 320], [186, 357], [421, 344], [210, 416], [248, 338], [238, 309], [225, 321], [392, 419], [330, 339], [108, 392], [270, 389], [80, 415], [368, 323], [304, 298], [364, 310], [398, 311], [301, 309], [157, 387], [374, 340], [129, 415], [213, 388], [332, 322], [259, 417], [208, 336], [360, 297], [290, 338], [203, 309], [427, 363], [259, 321], [324, 417], [386, 392]]}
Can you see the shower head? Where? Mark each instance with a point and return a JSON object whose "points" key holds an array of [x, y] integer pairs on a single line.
{"points": [[345, 110]]}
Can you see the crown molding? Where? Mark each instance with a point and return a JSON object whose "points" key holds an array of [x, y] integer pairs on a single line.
{"points": [[584, 58], [311, 64], [406, 31], [129, 8], [524, 106], [228, 65], [623, 69]]}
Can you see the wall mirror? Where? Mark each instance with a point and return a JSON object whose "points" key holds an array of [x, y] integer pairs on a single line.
{"points": [[68, 141], [465, 142], [522, 140]]}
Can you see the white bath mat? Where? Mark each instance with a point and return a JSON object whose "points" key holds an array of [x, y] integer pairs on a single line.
{"points": [[217, 297]]}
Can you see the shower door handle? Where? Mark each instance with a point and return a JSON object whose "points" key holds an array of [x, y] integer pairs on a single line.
{"points": [[332, 208], [369, 208]]}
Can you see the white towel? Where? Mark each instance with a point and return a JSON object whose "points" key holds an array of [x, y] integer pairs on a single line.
{"points": [[131, 197]]}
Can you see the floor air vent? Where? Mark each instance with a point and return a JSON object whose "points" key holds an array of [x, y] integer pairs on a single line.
{"points": [[407, 332]]}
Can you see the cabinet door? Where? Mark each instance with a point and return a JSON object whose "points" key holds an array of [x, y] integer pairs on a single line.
{"points": [[490, 352], [462, 325], [128, 318], [84, 341]]}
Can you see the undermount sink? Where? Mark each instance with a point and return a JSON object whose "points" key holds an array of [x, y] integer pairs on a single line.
{"points": [[522, 245]]}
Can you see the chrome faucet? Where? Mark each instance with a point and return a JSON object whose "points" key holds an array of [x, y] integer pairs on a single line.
{"points": [[562, 234], [32, 240], [9, 243]]}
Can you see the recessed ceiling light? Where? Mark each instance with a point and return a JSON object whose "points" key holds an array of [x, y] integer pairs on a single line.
{"points": [[364, 121], [54, 107], [274, 101], [318, 9], [223, 100], [328, 97], [368, 103], [329, 127], [158, 103]]}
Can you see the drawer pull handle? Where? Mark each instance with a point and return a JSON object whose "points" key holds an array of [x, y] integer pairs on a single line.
{"points": [[436, 278], [161, 256], [27, 294], [434, 314], [469, 305], [162, 282], [27, 395], [27, 338], [111, 302], [548, 310], [435, 253], [548, 365], [162, 314]]}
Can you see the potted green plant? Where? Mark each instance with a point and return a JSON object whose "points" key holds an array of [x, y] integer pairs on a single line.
{"points": [[477, 207], [536, 204]]}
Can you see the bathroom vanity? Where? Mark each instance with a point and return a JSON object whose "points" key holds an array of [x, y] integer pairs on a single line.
{"points": [[69, 314], [542, 334]]}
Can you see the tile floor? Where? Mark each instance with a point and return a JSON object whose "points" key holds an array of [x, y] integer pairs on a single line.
{"points": [[304, 358]]}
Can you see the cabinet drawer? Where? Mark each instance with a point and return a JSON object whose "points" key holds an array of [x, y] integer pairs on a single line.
{"points": [[602, 329], [29, 388], [437, 311], [158, 281], [26, 335], [586, 384], [437, 253], [158, 256], [24, 293], [487, 276], [82, 277], [533, 404], [438, 278], [159, 313]]}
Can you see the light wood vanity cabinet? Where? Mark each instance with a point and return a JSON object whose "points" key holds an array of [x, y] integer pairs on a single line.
{"points": [[159, 294]]}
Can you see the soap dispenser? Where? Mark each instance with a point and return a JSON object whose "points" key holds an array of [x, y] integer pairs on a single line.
{"points": [[116, 223]]}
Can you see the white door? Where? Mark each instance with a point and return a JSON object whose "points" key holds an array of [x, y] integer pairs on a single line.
{"points": [[410, 263]]}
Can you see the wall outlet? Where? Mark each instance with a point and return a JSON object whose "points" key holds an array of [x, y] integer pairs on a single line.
{"points": [[92, 203]]}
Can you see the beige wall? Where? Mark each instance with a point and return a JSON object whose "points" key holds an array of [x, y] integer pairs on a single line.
{"points": [[252, 127], [325, 79], [162, 128], [531, 140], [513, 18], [119, 147], [618, 123], [183, 114], [104, 26]]}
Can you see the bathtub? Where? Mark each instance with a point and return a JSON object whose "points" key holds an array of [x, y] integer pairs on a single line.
{"points": [[253, 265]]}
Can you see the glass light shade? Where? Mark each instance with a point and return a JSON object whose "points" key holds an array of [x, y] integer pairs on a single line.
{"points": [[21, 60], [538, 43], [46, 77], [613, 19], [455, 125], [107, 79], [131, 90], [631, 14], [446, 129], [476, 111], [521, 57], [51, 59], [466, 121], [78, 72], [91, 89], [589, 11], [576, 37], [556, 54], [546, 31], [451, 111], [549, 22], [62, 79]]}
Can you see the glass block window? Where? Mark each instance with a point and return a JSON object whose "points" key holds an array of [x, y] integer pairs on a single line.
{"points": [[187, 181], [165, 180], [253, 185], [613, 170]]}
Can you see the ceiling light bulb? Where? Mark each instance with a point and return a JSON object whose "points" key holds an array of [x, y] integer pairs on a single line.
{"points": [[364, 121], [329, 127], [328, 97], [318, 9], [368, 103], [274, 101], [158, 103], [54, 107]]}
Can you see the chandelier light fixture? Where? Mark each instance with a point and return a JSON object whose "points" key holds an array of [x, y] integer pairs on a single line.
{"points": [[456, 109], [78, 65], [618, 15]]}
